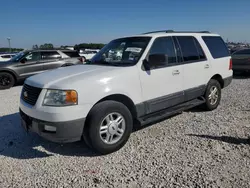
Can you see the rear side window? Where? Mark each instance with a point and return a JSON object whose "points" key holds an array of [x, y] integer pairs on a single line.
{"points": [[71, 53], [188, 48], [50, 55], [216, 46]]}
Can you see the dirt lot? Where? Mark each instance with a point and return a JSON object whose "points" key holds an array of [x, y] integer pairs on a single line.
{"points": [[193, 149]]}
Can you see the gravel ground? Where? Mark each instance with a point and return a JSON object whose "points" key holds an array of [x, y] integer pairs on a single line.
{"points": [[193, 149]]}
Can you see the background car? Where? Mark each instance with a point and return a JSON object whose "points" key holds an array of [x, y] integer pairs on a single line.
{"points": [[28, 63], [241, 60], [6, 57], [87, 55]]}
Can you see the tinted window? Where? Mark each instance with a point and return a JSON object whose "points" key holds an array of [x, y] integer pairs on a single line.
{"points": [[164, 45], [188, 48], [33, 56], [243, 52], [200, 50], [71, 53], [216, 46], [51, 55]]}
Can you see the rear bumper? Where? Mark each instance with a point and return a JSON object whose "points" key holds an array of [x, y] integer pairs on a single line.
{"points": [[227, 81], [63, 132], [241, 67]]}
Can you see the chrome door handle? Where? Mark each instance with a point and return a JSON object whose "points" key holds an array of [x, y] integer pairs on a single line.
{"points": [[206, 66], [176, 72]]}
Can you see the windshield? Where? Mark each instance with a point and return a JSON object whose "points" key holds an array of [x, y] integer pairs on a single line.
{"points": [[18, 56], [121, 52]]}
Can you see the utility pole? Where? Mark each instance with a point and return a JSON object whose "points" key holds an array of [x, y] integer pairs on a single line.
{"points": [[9, 44]]}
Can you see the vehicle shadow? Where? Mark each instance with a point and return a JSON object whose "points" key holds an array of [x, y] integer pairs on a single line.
{"points": [[16, 143], [227, 139]]}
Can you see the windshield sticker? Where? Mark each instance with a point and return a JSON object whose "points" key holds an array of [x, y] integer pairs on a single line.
{"points": [[133, 49]]}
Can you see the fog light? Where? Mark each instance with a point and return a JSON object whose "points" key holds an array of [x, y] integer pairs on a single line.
{"points": [[49, 128]]}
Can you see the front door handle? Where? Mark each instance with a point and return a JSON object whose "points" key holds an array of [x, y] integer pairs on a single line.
{"points": [[206, 66], [176, 72]]}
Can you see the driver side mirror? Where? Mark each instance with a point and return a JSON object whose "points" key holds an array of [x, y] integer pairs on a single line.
{"points": [[23, 61], [155, 61]]}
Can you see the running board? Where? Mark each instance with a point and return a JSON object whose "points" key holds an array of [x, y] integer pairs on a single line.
{"points": [[170, 111]]}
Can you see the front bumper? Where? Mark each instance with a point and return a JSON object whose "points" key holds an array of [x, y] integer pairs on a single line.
{"points": [[63, 132]]}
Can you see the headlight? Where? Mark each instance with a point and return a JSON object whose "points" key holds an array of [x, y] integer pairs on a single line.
{"points": [[60, 98]]}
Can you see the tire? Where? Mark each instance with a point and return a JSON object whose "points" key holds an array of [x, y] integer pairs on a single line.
{"points": [[103, 114], [6, 80], [212, 104]]}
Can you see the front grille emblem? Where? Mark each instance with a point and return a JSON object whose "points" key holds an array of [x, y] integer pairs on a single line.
{"points": [[25, 94]]}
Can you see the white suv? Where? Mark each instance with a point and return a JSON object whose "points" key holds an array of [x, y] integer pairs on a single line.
{"points": [[159, 74]]}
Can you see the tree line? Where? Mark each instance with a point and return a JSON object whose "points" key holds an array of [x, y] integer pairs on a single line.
{"points": [[12, 49]]}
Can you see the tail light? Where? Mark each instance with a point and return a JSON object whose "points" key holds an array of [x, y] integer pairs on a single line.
{"points": [[231, 64]]}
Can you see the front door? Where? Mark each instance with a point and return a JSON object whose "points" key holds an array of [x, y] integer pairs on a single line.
{"points": [[162, 85], [29, 65]]}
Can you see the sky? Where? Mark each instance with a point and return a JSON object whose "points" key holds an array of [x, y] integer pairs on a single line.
{"points": [[61, 22]]}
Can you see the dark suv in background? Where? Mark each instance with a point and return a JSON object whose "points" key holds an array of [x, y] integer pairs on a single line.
{"points": [[28, 63], [241, 60]]}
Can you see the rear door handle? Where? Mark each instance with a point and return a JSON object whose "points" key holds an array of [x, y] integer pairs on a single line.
{"points": [[176, 72], [206, 66]]}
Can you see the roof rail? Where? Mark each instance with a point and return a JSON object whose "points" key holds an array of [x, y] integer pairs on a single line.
{"points": [[172, 31]]}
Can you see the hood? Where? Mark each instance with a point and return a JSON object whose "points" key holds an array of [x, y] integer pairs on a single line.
{"points": [[67, 77], [6, 63]]}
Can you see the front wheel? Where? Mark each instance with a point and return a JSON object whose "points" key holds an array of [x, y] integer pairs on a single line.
{"points": [[6, 80], [212, 95], [110, 124]]}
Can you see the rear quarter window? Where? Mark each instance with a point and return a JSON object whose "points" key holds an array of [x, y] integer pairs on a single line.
{"points": [[71, 53], [216, 46]]}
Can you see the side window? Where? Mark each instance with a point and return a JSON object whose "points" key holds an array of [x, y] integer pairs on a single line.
{"points": [[216, 46], [50, 55], [243, 52], [200, 50], [188, 48], [164, 45], [33, 56]]}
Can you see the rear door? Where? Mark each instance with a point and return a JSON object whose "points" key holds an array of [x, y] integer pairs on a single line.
{"points": [[196, 67], [51, 60], [30, 66]]}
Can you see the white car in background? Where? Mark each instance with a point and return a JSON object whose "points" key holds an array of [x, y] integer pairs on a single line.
{"points": [[6, 57], [88, 54]]}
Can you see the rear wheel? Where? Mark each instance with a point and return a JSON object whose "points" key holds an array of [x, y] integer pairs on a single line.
{"points": [[110, 124], [6, 80], [212, 95]]}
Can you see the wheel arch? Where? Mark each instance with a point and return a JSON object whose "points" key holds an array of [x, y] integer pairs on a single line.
{"points": [[10, 72], [125, 100], [219, 78]]}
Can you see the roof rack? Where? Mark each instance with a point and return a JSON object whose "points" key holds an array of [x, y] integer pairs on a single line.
{"points": [[172, 31]]}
